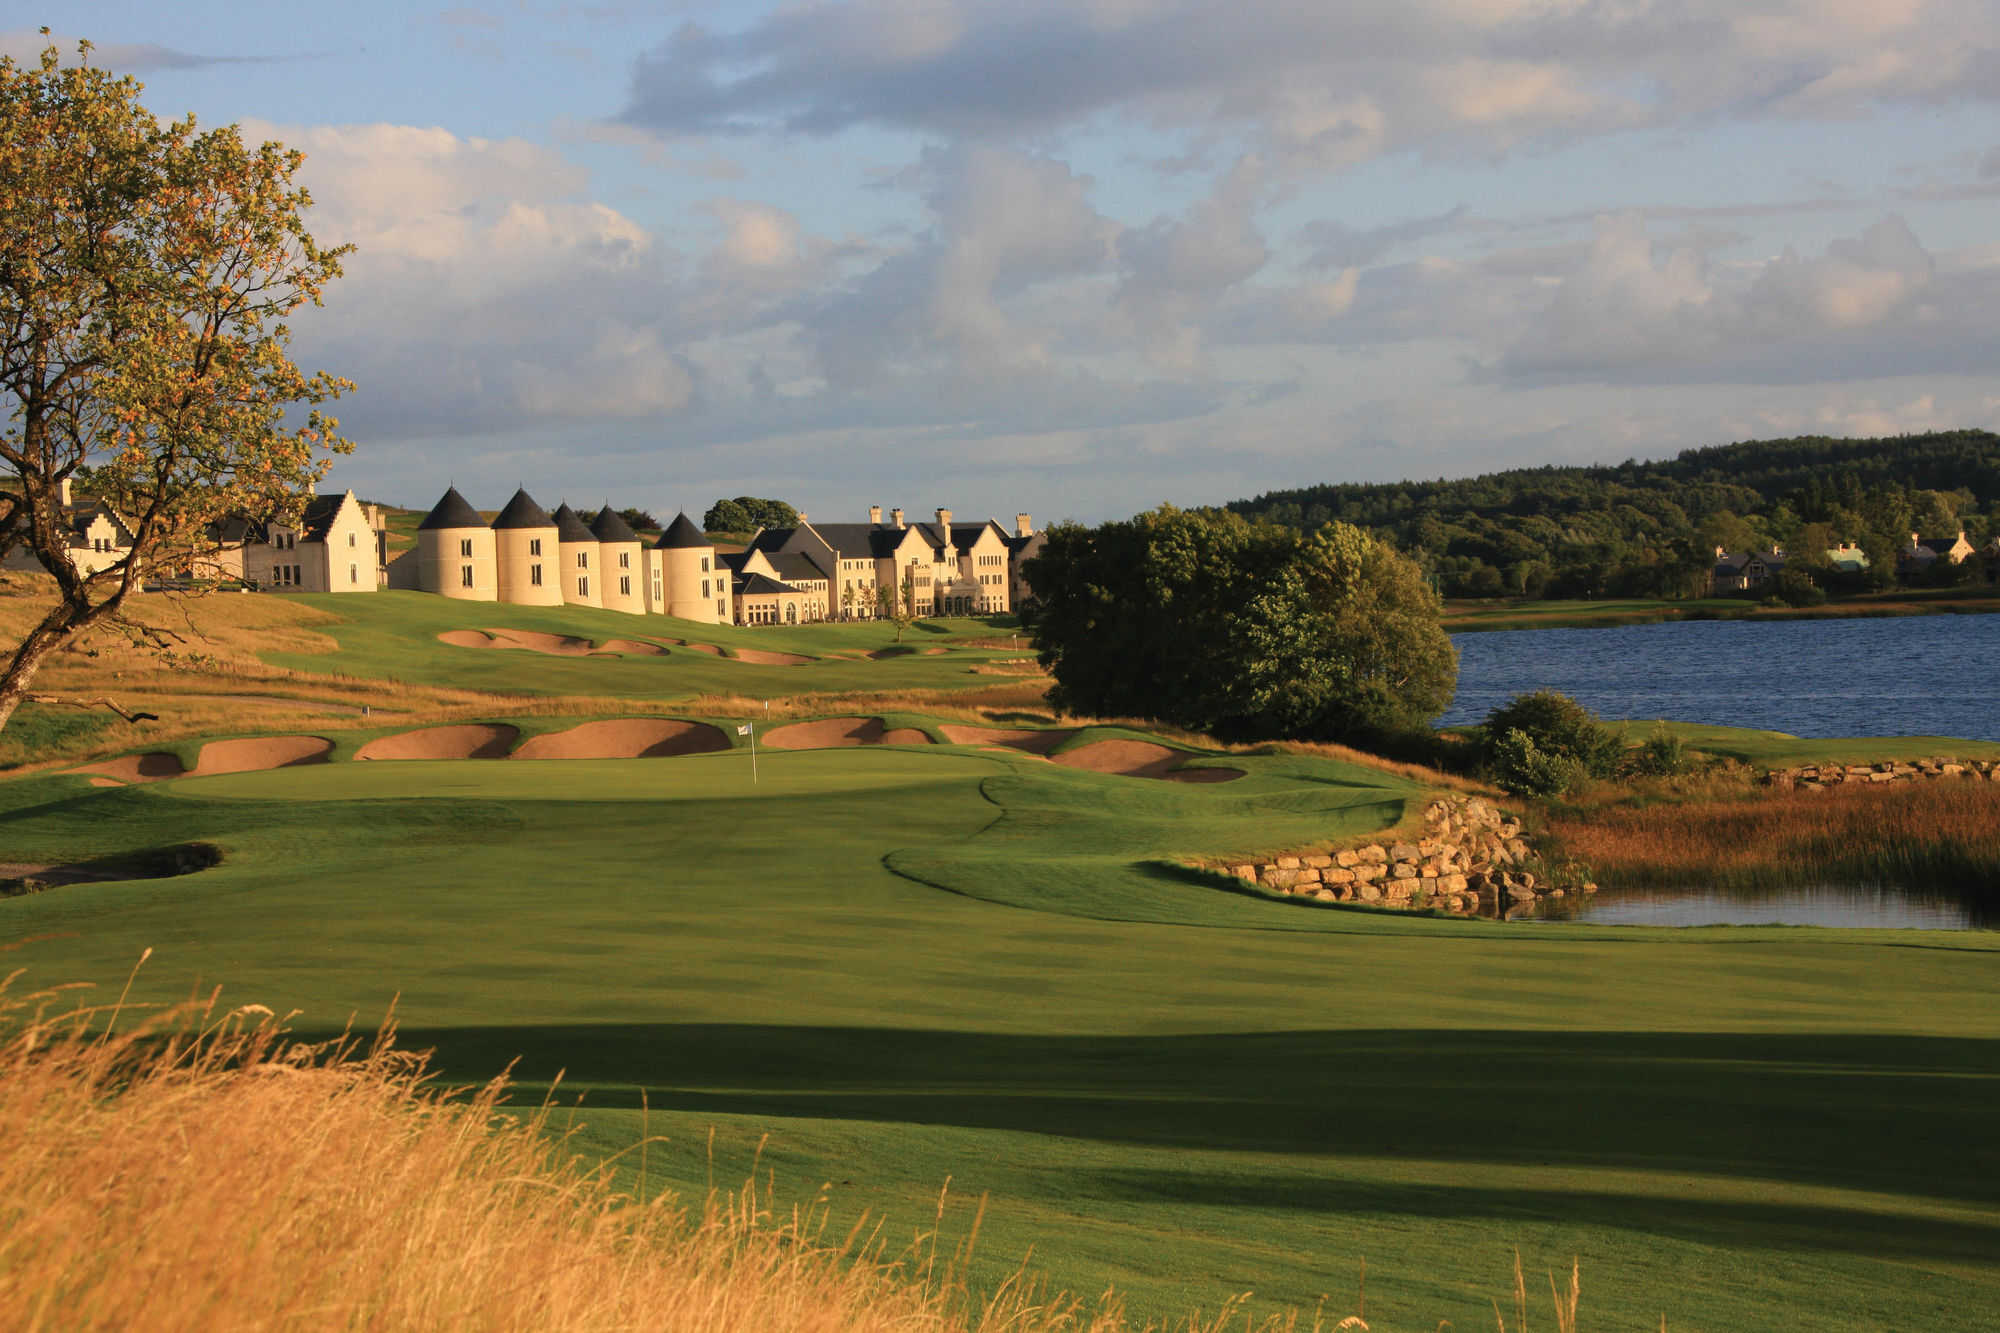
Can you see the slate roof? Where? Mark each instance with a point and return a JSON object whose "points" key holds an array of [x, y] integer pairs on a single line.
{"points": [[680, 534], [86, 514], [792, 565], [451, 511], [571, 528], [1940, 544], [609, 527], [733, 561], [319, 515], [523, 512], [853, 540], [750, 585]]}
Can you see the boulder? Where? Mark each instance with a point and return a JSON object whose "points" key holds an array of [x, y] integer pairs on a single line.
{"points": [[1403, 851], [1287, 863], [1368, 893]]}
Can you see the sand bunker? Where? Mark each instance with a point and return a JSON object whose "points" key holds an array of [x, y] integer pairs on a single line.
{"points": [[840, 731], [1014, 738], [135, 768], [762, 658], [481, 740], [625, 738], [708, 648], [1142, 759], [559, 645], [256, 753]]}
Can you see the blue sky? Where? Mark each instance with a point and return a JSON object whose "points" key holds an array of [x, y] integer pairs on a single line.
{"points": [[1082, 257]]}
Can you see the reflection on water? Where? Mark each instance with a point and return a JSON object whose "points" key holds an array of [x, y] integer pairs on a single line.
{"points": [[1864, 905]]}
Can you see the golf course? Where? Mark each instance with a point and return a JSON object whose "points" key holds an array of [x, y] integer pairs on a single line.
{"points": [[938, 953]]}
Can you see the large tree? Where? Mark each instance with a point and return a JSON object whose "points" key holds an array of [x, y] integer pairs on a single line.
{"points": [[1244, 629], [145, 270]]}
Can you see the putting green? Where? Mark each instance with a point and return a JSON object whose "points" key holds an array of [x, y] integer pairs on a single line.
{"points": [[908, 964]]}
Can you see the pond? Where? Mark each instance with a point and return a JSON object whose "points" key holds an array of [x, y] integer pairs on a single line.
{"points": [[1902, 676], [1838, 905]]}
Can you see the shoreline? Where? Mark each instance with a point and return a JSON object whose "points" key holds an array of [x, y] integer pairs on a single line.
{"points": [[1481, 618]]}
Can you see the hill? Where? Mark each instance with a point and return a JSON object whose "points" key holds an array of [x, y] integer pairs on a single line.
{"points": [[1648, 528]]}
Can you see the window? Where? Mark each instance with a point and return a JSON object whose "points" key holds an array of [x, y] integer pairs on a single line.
{"points": [[656, 591], [353, 571], [624, 585], [704, 587], [583, 587], [465, 547], [465, 576], [534, 576], [704, 564], [534, 546], [624, 560], [720, 610], [583, 560], [350, 540]]}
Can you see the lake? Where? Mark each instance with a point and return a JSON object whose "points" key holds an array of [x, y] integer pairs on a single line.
{"points": [[1893, 676]]}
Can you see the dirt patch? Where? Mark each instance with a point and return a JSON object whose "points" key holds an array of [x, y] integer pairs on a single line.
{"points": [[1142, 759], [762, 658], [1014, 738], [905, 736], [135, 768], [827, 732], [484, 740], [633, 647], [625, 738], [708, 648], [256, 753]]}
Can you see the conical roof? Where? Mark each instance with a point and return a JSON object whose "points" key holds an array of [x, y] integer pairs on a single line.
{"points": [[451, 511], [571, 528], [680, 533], [609, 527], [523, 512]]}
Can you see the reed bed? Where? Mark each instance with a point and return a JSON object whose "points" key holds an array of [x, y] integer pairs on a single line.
{"points": [[1938, 834], [195, 1168]]}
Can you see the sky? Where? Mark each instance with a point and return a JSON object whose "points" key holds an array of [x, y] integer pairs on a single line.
{"points": [[1080, 257]]}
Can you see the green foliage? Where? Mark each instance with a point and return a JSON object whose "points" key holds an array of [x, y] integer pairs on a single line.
{"points": [[1525, 769], [747, 513], [639, 520], [1794, 587], [1661, 755], [1246, 630], [1651, 529], [1558, 726]]}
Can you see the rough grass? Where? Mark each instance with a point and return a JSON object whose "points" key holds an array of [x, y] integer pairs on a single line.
{"points": [[1924, 834], [200, 1169]]}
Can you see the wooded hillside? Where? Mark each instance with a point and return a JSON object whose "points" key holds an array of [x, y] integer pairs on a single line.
{"points": [[1651, 528]]}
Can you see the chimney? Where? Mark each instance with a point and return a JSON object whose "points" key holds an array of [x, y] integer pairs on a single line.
{"points": [[944, 518], [875, 515], [62, 492], [802, 516], [896, 517], [1023, 525]]}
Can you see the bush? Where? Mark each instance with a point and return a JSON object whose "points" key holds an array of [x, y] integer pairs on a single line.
{"points": [[1794, 587], [1525, 769], [1663, 755], [1559, 726]]}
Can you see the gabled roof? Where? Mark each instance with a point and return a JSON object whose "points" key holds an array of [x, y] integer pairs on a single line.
{"points": [[965, 536], [609, 527], [733, 560], [86, 514], [680, 535], [1017, 544], [856, 540], [571, 528], [1941, 544], [320, 511], [748, 585], [451, 511], [791, 565], [523, 512]]}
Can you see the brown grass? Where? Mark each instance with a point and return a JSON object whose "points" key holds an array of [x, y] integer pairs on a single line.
{"points": [[199, 1170], [1919, 834], [1430, 777]]}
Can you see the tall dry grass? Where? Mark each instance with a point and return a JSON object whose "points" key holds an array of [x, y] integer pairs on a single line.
{"points": [[1934, 834], [196, 1169]]}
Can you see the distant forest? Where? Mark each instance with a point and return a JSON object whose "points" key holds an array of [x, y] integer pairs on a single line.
{"points": [[1651, 529]]}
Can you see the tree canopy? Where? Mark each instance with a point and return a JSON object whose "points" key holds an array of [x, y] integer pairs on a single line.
{"points": [[144, 272], [747, 513], [1245, 630], [1651, 529]]}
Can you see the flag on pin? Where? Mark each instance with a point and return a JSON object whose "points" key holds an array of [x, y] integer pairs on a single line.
{"points": [[743, 730]]}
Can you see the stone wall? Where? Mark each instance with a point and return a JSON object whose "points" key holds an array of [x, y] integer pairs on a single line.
{"points": [[1818, 777], [1470, 856]]}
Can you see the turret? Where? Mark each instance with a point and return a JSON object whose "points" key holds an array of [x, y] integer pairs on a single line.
{"points": [[624, 571], [581, 581], [455, 551], [690, 582], [527, 555]]}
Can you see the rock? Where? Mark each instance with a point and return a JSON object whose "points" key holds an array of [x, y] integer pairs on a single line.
{"points": [[1374, 854], [1402, 851], [1812, 789], [1368, 893], [1453, 884], [1520, 894], [1336, 876], [1309, 876], [1526, 880], [1244, 872], [1317, 862], [1346, 858], [1288, 863], [1402, 870]]}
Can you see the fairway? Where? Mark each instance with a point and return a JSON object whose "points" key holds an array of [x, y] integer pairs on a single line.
{"points": [[911, 963]]}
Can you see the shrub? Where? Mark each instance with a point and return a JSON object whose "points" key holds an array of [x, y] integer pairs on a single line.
{"points": [[1525, 769], [1557, 725], [1662, 755]]}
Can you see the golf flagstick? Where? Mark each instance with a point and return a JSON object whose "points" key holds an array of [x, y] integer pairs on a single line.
{"points": [[747, 730]]}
